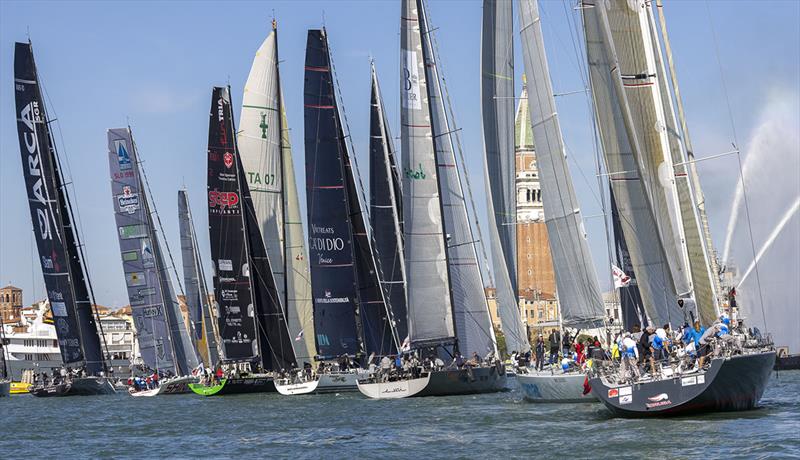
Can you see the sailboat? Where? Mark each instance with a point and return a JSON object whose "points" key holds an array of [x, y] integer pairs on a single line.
{"points": [[577, 288], [164, 342], [447, 310], [197, 298], [657, 196], [60, 250], [266, 154], [351, 316], [497, 107], [252, 325]]}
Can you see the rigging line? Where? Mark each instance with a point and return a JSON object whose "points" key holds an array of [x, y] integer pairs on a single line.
{"points": [[738, 156], [76, 224]]}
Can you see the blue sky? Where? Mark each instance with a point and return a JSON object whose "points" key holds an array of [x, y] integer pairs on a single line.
{"points": [[152, 64]]}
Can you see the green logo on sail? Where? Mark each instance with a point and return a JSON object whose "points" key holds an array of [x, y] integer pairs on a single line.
{"points": [[263, 125], [412, 174]]}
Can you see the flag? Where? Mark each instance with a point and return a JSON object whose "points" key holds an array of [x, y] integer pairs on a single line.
{"points": [[586, 387], [299, 336], [621, 280], [406, 345]]}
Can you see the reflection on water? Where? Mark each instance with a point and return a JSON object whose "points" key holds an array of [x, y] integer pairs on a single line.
{"points": [[347, 425]]}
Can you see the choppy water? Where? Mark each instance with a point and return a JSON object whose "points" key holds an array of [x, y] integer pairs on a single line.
{"points": [[349, 426]]}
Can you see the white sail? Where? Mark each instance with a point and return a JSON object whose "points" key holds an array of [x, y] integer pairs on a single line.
{"points": [[640, 79], [621, 145], [576, 281], [497, 104], [430, 318], [692, 211], [267, 159], [470, 308]]}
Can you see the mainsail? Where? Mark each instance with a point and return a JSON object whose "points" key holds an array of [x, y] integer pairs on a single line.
{"points": [[473, 324], [51, 214], [196, 292], [350, 310], [620, 146], [576, 281], [227, 235], [267, 158], [497, 103], [142, 271], [430, 314], [386, 213], [252, 324]]}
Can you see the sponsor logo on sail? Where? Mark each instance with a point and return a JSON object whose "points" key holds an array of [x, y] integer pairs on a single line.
{"points": [[128, 201], [59, 308], [225, 265], [123, 158], [47, 263], [328, 298], [230, 295], [326, 244], [151, 311], [415, 174], [62, 326], [263, 125], [29, 115], [55, 295], [227, 158], [222, 202]]}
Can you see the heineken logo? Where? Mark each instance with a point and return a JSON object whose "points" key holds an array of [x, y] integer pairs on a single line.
{"points": [[263, 125], [412, 174], [228, 159]]}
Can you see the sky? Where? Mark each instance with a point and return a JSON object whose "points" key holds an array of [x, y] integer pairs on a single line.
{"points": [[152, 65]]}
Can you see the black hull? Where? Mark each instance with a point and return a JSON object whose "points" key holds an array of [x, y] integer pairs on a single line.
{"points": [[460, 382], [77, 387], [732, 384], [787, 363]]}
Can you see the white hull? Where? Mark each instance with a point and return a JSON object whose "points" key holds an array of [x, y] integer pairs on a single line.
{"points": [[557, 388], [394, 390], [324, 383], [174, 386]]}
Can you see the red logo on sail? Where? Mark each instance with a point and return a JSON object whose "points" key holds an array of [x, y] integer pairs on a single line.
{"points": [[228, 159], [222, 200]]}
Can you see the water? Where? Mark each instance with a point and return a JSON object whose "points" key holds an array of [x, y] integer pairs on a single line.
{"points": [[347, 426]]}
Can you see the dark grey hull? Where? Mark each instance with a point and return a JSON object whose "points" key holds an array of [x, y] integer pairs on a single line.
{"points": [[787, 363], [729, 384], [88, 386], [463, 382]]}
